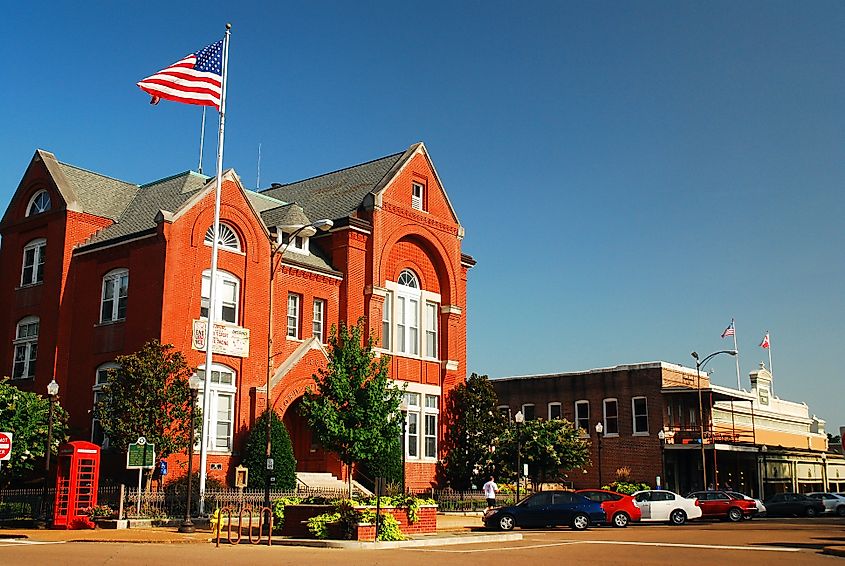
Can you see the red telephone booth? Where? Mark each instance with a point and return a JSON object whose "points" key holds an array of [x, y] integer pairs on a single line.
{"points": [[77, 478]]}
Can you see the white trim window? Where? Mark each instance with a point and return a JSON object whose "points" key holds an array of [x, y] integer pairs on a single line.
{"points": [[26, 348], [431, 329], [221, 414], [115, 295], [407, 313], [298, 243], [611, 417], [98, 436], [422, 418], [555, 411], [582, 415], [294, 302], [227, 239], [33, 262], [40, 202], [386, 320], [318, 320], [417, 196], [528, 412], [227, 297], [639, 410], [505, 411]]}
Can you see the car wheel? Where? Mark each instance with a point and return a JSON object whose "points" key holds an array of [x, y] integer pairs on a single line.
{"points": [[620, 520], [810, 512], [506, 522], [678, 517], [840, 511], [580, 522], [735, 514]]}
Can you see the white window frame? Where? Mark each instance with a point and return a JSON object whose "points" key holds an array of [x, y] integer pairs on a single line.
{"points": [[605, 420], [579, 421], [386, 321], [405, 319], [318, 319], [416, 397], [533, 411], [111, 281], [100, 379], [430, 319], [505, 410], [38, 248], [559, 410], [417, 200], [293, 319], [634, 416], [218, 391], [36, 198], [227, 239], [299, 244], [224, 280], [28, 344]]}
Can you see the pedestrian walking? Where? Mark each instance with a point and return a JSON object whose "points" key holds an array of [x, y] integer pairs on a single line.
{"points": [[490, 488]]}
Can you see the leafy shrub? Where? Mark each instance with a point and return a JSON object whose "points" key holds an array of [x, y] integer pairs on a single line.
{"points": [[278, 506], [101, 512], [319, 525], [255, 454], [626, 487]]}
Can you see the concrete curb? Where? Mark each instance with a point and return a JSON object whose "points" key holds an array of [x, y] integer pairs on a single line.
{"points": [[834, 551], [434, 541]]}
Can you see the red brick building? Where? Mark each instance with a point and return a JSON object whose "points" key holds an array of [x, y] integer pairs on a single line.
{"points": [[94, 267]]}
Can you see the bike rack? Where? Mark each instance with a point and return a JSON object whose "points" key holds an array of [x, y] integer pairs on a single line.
{"points": [[228, 511]]}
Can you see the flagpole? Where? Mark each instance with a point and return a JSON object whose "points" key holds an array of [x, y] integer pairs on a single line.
{"points": [[202, 139], [206, 401], [771, 369], [736, 349]]}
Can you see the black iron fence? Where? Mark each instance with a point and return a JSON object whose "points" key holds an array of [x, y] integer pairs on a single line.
{"points": [[35, 503], [474, 500]]}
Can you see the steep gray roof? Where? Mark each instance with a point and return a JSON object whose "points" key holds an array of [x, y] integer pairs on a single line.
{"points": [[165, 194], [338, 194], [261, 202], [286, 215], [98, 194]]}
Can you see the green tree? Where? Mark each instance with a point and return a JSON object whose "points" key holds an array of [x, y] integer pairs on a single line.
{"points": [[255, 453], [148, 395], [352, 408], [474, 423], [26, 416], [549, 447]]}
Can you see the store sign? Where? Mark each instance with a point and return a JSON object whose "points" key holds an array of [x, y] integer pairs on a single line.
{"points": [[227, 340]]}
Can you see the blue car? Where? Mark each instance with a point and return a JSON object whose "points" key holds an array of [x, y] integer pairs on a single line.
{"points": [[547, 509]]}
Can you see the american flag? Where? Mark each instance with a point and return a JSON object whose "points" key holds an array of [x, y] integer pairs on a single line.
{"points": [[196, 79], [729, 331]]}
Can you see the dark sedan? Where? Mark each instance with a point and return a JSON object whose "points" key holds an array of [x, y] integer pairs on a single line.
{"points": [[547, 509], [789, 504]]}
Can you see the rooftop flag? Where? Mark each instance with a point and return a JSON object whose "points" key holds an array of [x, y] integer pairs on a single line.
{"points": [[729, 331], [196, 79], [765, 342]]}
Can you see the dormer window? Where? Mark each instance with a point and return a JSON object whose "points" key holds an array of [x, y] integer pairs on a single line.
{"points": [[297, 243], [40, 202], [227, 238], [417, 193]]}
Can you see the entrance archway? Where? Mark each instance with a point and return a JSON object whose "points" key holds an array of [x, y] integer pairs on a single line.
{"points": [[310, 457]]}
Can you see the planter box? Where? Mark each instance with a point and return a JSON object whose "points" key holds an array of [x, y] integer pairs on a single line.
{"points": [[112, 523], [296, 516]]}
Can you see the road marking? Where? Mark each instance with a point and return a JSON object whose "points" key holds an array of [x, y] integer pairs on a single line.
{"points": [[13, 542], [498, 548], [664, 544]]}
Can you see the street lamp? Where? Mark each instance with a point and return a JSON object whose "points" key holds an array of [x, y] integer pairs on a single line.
{"points": [[403, 408], [194, 382], [519, 418], [52, 392], [661, 436], [699, 363], [599, 431], [278, 249]]}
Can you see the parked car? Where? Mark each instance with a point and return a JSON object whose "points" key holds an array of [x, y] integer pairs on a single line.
{"points": [[716, 504], [662, 505], [547, 509], [833, 502], [619, 508], [761, 507], [793, 504]]}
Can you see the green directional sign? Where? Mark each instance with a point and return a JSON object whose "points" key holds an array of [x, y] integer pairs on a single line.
{"points": [[140, 455]]}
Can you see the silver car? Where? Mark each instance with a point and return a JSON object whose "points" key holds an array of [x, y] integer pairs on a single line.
{"points": [[833, 502]]}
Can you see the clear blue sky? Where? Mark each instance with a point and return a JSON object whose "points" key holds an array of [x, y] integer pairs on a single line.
{"points": [[630, 175]]}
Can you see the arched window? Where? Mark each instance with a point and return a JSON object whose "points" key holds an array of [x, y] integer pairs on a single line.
{"points": [[227, 238], [408, 313], [409, 279], [101, 378], [407, 308], [220, 420], [33, 262], [40, 202], [26, 348], [227, 296], [115, 295]]}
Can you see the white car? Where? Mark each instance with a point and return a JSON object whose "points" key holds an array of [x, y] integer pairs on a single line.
{"points": [[661, 505], [833, 502]]}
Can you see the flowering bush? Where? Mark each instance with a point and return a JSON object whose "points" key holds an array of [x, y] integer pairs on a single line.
{"points": [[100, 512]]}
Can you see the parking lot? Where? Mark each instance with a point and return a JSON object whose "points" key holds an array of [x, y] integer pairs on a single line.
{"points": [[761, 541]]}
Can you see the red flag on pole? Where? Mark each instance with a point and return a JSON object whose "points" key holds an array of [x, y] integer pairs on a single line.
{"points": [[765, 342]]}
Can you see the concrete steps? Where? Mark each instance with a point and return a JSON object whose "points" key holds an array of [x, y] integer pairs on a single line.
{"points": [[327, 481]]}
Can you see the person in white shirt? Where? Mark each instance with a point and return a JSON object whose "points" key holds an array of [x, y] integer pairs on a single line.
{"points": [[490, 488]]}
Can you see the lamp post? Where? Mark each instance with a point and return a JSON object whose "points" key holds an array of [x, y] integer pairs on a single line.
{"points": [[194, 382], [763, 450], [518, 418], [52, 392], [599, 431], [278, 249], [661, 435], [403, 408], [699, 363]]}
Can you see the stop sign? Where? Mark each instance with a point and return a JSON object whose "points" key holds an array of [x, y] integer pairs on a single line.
{"points": [[5, 445]]}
